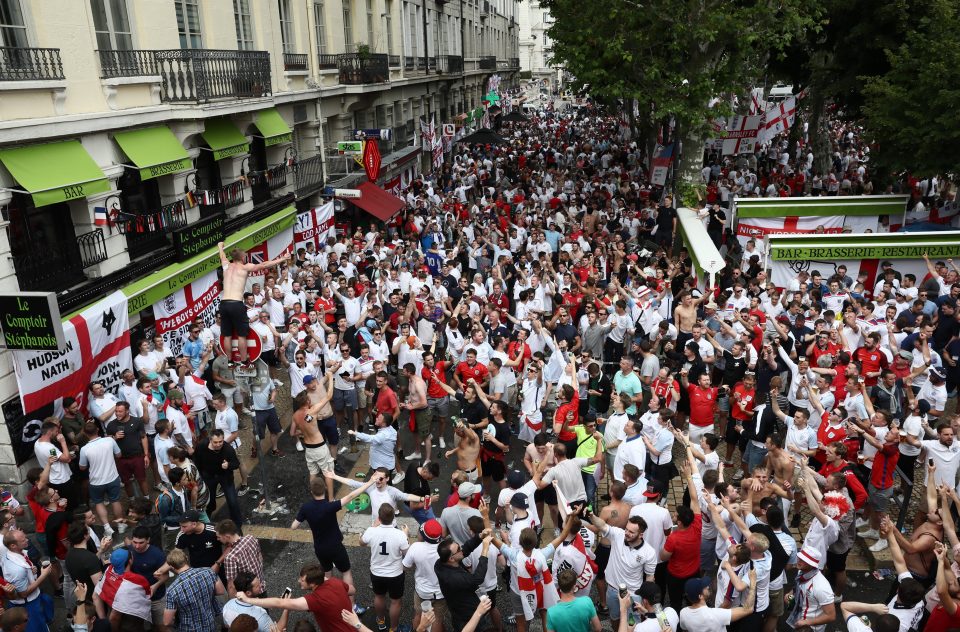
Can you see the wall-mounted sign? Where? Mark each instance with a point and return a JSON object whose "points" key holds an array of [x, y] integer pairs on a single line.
{"points": [[350, 147], [198, 237], [30, 321]]}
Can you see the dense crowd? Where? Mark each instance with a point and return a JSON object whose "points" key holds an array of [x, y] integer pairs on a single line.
{"points": [[693, 457]]}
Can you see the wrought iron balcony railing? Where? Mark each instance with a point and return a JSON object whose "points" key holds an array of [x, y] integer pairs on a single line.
{"points": [[327, 62], [488, 62], [357, 69], [294, 61], [308, 174], [30, 64], [419, 64], [450, 64], [394, 61], [195, 75]]}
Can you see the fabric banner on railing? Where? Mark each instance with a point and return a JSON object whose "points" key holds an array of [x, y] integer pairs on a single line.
{"points": [[277, 246], [97, 349], [314, 225], [175, 313]]}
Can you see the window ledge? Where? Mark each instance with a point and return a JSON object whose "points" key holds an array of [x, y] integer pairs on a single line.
{"points": [[129, 81], [296, 73], [44, 84]]}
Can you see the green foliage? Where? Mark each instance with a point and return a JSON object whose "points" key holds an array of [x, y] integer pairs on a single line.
{"points": [[911, 111]]}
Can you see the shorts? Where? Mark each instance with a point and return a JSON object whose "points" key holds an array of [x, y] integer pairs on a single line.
{"points": [[344, 400], [424, 423], [335, 556], [318, 459], [906, 465], [472, 474], [202, 419], [494, 468], [837, 562], [392, 586], [233, 318], [698, 431], [602, 558], [362, 400], [775, 607], [879, 499], [232, 394], [328, 427], [731, 435], [546, 495], [723, 404], [438, 605], [439, 406], [131, 467], [109, 492], [264, 419], [516, 606], [151, 450]]}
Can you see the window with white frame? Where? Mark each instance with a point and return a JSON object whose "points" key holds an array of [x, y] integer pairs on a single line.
{"points": [[318, 27], [244, 24], [111, 24], [370, 25], [188, 23], [347, 26], [286, 27], [13, 30], [388, 9]]}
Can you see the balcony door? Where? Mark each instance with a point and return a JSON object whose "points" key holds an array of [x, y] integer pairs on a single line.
{"points": [[112, 24], [43, 245], [208, 179], [13, 30], [259, 187], [139, 197]]}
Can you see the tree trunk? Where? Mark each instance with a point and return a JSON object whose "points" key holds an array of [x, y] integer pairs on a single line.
{"points": [[819, 135], [690, 162]]}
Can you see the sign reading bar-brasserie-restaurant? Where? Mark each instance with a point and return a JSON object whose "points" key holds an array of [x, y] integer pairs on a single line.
{"points": [[30, 321], [198, 237]]}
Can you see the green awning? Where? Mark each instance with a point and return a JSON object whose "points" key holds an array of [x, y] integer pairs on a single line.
{"points": [[160, 284], [274, 129], [155, 150], [55, 172], [224, 138]]}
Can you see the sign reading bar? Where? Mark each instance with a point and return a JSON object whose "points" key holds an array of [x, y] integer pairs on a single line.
{"points": [[830, 253], [30, 321], [198, 237]]}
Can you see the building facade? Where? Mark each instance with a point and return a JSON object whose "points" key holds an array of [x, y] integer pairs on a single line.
{"points": [[535, 46], [123, 122]]}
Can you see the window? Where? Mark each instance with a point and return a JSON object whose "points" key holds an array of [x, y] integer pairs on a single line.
{"points": [[243, 23], [347, 26], [388, 9], [111, 24], [13, 32], [188, 23], [370, 25], [318, 27], [286, 27]]}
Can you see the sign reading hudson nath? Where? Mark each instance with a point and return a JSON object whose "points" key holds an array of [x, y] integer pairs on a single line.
{"points": [[30, 321], [198, 237]]}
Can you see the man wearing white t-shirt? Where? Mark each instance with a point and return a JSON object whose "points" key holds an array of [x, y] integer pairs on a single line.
{"points": [[814, 604], [98, 456], [388, 544], [702, 618], [52, 444], [422, 557]]}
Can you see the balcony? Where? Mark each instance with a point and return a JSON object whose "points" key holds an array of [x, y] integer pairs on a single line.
{"points": [[508, 65], [368, 68], [30, 64], [327, 62], [308, 174], [61, 264], [195, 76], [395, 61], [294, 62], [449, 64], [419, 64], [488, 62]]}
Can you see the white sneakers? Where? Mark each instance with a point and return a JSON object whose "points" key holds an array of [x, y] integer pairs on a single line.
{"points": [[443, 444], [416, 456], [869, 534], [880, 545]]}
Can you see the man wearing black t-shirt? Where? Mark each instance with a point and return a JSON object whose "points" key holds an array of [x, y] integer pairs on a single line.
{"points": [[417, 482], [666, 224], [321, 515], [82, 564], [199, 540]]}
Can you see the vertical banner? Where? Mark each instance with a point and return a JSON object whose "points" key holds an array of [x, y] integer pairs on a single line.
{"points": [[97, 348], [277, 246], [314, 225], [661, 165], [175, 313]]}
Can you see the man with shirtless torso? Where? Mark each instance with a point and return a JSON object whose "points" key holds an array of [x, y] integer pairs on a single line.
{"points": [[467, 451], [616, 514], [684, 317], [782, 465], [416, 405], [315, 446], [233, 312], [760, 486]]}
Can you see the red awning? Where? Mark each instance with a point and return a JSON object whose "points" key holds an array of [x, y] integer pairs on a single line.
{"points": [[378, 202]]}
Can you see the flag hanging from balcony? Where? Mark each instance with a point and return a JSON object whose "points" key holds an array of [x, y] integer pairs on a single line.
{"points": [[371, 159], [190, 199], [100, 217]]}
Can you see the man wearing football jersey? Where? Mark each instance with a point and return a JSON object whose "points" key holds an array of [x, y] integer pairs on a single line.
{"points": [[388, 544]]}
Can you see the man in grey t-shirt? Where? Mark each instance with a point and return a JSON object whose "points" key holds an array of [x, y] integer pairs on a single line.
{"points": [[454, 519], [651, 364]]}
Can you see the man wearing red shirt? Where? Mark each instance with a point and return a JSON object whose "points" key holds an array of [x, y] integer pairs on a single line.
{"points": [[520, 346], [438, 398], [830, 430], [681, 551], [387, 401], [872, 360], [470, 369], [703, 405], [326, 306], [836, 462], [821, 346]]}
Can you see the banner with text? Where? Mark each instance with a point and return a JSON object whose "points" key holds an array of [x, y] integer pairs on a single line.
{"points": [[314, 226], [175, 313], [759, 227], [97, 349]]}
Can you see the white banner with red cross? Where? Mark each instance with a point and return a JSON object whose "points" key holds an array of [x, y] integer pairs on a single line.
{"points": [[314, 226], [741, 135], [175, 313]]}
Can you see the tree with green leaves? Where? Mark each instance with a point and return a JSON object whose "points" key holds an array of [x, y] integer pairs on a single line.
{"points": [[680, 59], [910, 110]]}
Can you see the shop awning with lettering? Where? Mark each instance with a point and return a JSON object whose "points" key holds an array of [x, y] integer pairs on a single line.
{"points": [[273, 128], [224, 138], [154, 150], [378, 202], [55, 172], [160, 284]]}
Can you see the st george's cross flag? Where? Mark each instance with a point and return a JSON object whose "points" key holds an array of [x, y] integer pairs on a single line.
{"points": [[740, 136], [778, 118]]}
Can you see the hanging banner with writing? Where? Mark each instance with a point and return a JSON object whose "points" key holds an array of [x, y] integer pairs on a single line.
{"points": [[97, 347], [175, 313], [758, 228], [314, 225]]}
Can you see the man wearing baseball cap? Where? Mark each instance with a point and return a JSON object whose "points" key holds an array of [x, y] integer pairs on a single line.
{"points": [[422, 558], [701, 617], [454, 519]]}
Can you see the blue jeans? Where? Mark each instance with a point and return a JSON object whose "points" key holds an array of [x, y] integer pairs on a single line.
{"points": [[422, 515], [590, 485], [229, 494], [708, 556], [753, 456]]}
